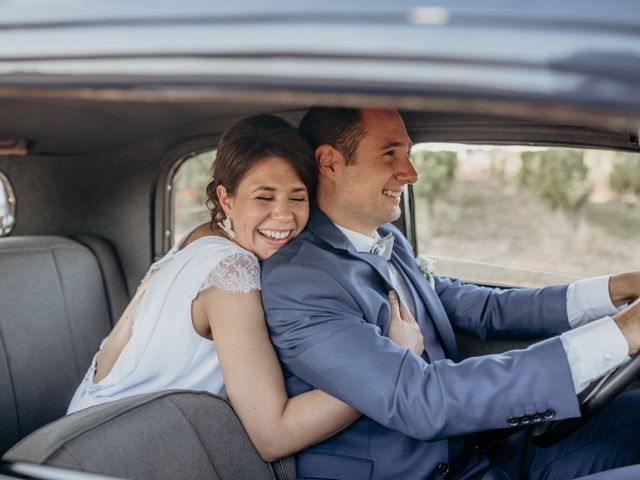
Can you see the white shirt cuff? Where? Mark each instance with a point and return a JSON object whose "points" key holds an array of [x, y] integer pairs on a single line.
{"points": [[588, 300], [593, 350]]}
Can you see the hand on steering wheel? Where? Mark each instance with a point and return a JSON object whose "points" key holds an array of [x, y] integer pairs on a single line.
{"points": [[602, 391]]}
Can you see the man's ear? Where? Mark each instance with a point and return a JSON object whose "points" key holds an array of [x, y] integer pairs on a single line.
{"points": [[328, 159], [226, 200]]}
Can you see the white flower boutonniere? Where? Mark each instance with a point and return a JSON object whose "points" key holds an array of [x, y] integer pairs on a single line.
{"points": [[427, 266]]}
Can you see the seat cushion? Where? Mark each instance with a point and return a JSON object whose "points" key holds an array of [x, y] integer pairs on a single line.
{"points": [[165, 435]]}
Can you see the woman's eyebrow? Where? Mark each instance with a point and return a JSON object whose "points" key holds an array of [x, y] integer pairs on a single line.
{"points": [[273, 189], [263, 187]]}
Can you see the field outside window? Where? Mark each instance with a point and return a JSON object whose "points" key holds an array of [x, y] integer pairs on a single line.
{"points": [[188, 194], [527, 216]]}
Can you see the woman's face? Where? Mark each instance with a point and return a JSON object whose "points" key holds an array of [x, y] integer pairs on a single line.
{"points": [[269, 208]]}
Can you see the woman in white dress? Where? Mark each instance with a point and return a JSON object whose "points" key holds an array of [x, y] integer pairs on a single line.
{"points": [[197, 315]]}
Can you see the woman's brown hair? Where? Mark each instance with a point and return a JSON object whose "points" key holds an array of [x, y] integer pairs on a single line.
{"points": [[247, 142]]}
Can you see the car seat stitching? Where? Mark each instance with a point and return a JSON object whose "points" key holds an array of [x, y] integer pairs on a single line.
{"points": [[66, 310], [13, 389], [195, 432], [68, 451], [202, 443], [38, 249]]}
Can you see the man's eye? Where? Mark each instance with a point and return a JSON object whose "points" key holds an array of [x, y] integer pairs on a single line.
{"points": [[298, 199]]}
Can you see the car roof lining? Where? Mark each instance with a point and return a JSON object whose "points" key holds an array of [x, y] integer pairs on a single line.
{"points": [[73, 126]]}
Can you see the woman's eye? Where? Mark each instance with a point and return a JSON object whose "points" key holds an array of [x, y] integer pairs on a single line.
{"points": [[265, 198], [298, 199]]}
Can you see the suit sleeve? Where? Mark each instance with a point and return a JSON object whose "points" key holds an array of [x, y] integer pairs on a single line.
{"points": [[321, 337], [512, 313]]}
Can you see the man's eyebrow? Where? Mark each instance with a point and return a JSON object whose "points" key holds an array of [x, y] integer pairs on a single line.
{"points": [[396, 145]]}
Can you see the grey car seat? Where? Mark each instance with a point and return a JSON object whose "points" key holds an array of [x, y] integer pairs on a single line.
{"points": [[167, 435], [58, 299]]}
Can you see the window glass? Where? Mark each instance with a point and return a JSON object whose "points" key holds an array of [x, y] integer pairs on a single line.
{"points": [[527, 216], [188, 194], [7, 206]]}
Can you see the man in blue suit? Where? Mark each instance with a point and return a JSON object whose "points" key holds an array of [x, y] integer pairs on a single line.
{"points": [[325, 298]]}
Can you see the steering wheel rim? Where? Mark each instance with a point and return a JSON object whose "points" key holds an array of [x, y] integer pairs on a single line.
{"points": [[599, 394]]}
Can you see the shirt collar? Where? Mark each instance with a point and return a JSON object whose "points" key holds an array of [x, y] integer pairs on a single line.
{"points": [[361, 242]]}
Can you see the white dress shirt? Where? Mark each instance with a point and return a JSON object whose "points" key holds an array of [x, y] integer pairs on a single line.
{"points": [[594, 345]]}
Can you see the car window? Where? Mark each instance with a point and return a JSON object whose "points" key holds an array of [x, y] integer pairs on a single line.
{"points": [[7, 206], [188, 194], [526, 216]]}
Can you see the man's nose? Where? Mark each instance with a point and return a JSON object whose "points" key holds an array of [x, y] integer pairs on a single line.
{"points": [[407, 172]]}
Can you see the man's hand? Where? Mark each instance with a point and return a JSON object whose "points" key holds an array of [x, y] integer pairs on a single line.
{"points": [[624, 287], [629, 323]]}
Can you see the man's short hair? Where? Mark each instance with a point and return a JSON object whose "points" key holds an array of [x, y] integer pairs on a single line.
{"points": [[342, 128]]}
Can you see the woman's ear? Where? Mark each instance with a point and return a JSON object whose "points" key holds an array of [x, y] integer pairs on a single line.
{"points": [[225, 199]]}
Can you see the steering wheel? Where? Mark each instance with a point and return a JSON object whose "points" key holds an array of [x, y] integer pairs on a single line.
{"points": [[592, 400]]}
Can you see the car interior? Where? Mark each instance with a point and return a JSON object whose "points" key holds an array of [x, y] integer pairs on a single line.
{"points": [[92, 200]]}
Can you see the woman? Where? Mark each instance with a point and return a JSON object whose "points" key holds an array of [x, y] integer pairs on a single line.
{"points": [[208, 287]]}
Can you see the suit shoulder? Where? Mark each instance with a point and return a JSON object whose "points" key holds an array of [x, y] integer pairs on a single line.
{"points": [[305, 251]]}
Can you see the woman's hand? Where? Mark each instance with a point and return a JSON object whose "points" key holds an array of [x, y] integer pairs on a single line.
{"points": [[404, 329]]}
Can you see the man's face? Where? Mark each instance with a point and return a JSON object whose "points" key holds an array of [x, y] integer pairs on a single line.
{"points": [[370, 190]]}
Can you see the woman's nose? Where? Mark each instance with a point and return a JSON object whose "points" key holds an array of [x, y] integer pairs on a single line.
{"points": [[282, 210]]}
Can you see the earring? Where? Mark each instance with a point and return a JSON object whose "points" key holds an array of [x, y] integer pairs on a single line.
{"points": [[227, 227]]}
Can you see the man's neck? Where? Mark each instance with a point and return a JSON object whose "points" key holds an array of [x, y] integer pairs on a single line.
{"points": [[344, 221]]}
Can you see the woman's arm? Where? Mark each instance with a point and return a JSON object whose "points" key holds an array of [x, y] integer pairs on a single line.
{"points": [[278, 425]]}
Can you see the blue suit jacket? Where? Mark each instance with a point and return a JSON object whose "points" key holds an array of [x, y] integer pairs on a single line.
{"points": [[327, 310]]}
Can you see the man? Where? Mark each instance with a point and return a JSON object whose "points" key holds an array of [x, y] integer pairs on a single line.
{"points": [[325, 297]]}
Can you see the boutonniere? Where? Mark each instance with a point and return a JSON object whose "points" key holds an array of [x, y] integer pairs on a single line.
{"points": [[427, 266]]}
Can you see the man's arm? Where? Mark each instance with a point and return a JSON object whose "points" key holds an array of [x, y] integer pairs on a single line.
{"points": [[321, 336], [512, 313]]}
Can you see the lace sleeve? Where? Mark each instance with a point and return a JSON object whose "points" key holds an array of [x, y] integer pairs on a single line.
{"points": [[239, 272]]}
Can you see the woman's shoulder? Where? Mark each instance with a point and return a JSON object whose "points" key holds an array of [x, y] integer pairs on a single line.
{"points": [[237, 271]]}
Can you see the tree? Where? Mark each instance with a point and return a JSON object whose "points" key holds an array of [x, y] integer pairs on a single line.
{"points": [[437, 172], [625, 174], [559, 177]]}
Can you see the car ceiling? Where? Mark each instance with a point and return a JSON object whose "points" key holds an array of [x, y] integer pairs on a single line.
{"points": [[64, 127]]}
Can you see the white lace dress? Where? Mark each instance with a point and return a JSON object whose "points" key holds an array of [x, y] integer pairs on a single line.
{"points": [[164, 351]]}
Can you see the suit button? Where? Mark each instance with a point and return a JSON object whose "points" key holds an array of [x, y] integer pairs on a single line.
{"points": [[513, 421], [525, 419], [536, 417], [548, 414], [443, 468]]}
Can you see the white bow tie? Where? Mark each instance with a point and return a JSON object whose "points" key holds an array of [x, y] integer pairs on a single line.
{"points": [[383, 246]]}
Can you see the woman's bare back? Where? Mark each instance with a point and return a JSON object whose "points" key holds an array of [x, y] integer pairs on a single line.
{"points": [[121, 333]]}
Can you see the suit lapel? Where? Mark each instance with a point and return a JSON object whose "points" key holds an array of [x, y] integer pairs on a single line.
{"points": [[328, 233], [429, 298]]}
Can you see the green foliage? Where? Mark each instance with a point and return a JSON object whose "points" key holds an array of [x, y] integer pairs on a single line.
{"points": [[625, 174], [189, 192], [437, 173], [559, 177]]}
